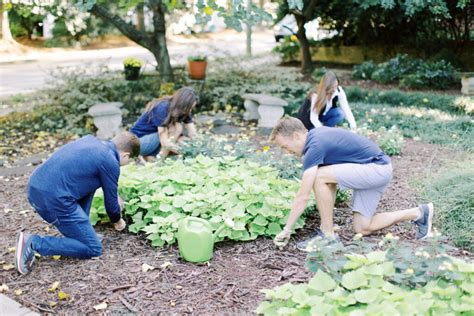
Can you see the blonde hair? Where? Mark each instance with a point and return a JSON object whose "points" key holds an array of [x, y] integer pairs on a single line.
{"points": [[286, 127], [326, 83], [127, 142]]}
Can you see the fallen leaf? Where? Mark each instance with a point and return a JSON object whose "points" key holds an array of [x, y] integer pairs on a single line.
{"points": [[63, 296], [179, 287], [7, 210], [100, 306], [146, 267], [173, 304], [18, 292], [11, 249], [4, 288], [46, 229], [166, 265], [53, 287], [37, 255], [56, 257], [8, 266], [53, 304]]}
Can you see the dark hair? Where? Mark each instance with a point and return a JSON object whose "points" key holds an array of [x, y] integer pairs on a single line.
{"points": [[127, 142], [181, 104]]}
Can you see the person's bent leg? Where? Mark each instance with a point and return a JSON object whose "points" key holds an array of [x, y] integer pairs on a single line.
{"points": [[149, 146], [334, 117], [366, 226], [325, 193], [80, 239]]}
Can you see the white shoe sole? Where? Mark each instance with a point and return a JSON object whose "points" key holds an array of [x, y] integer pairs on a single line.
{"points": [[20, 243], [430, 221]]}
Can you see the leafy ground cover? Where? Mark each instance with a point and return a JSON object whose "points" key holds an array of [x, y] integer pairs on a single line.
{"points": [[393, 280], [249, 199]]}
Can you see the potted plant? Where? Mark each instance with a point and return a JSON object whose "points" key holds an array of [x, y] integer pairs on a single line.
{"points": [[197, 67], [132, 68]]}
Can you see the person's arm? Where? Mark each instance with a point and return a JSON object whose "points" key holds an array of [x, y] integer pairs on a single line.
{"points": [[166, 143], [346, 109], [299, 205], [109, 176], [313, 116], [191, 128], [302, 197]]}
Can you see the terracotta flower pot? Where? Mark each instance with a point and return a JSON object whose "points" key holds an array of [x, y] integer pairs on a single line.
{"points": [[197, 69]]}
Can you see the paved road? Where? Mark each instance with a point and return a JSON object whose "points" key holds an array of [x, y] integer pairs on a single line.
{"points": [[22, 76]]}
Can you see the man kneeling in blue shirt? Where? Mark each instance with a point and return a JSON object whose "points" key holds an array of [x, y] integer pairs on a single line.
{"points": [[61, 191], [334, 156]]}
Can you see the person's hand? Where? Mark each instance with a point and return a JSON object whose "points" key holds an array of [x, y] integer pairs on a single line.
{"points": [[121, 204], [120, 225], [282, 239]]}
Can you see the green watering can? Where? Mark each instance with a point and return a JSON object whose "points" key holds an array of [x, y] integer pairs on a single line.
{"points": [[196, 240]]}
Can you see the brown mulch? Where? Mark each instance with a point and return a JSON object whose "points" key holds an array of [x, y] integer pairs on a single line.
{"points": [[229, 284]]}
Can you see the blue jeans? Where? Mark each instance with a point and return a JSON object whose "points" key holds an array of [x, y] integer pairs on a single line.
{"points": [[332, 118], [150, 145], [72, 220]]}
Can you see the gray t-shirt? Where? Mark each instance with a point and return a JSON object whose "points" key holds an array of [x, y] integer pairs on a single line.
{"points": [[331, 146]]}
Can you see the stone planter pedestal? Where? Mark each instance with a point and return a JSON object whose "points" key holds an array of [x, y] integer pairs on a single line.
{"points": [[107, 118], [467, 85], [264, 108]]}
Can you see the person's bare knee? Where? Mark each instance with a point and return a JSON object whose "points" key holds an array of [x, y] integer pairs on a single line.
{"points": [[326, 174], [361, 224]]}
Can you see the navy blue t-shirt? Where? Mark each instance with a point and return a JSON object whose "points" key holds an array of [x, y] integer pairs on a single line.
{"points": [[330, 146], [75, 171], [149, 122]]}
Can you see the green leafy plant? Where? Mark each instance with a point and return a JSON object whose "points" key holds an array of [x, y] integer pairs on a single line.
{"points": [[318, 73], [379, 283], [197, 58], [364, 71], [249, 198], [132, 62], [288, 48], [409, 72]]}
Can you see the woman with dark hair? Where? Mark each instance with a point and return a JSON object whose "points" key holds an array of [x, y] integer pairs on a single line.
{"points": [[328, 106], [161, 126]]}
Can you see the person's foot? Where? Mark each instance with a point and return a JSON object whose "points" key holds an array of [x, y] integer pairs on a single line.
{"points": [[307, 245], [24, 253], [425, 221]]}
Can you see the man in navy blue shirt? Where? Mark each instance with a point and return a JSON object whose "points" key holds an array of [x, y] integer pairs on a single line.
{"points": [[334, 156], [61, 191]]}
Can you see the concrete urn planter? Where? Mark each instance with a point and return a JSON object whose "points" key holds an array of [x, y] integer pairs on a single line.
{"points": [[107, 118]]}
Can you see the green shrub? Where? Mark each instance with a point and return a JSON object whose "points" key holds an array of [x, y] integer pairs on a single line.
{"points": [[447, 103], [389, 140], [438, 75], [409, 72], [249, 198], [364, 71], [451, 190], [288, 48], [395, 281]]}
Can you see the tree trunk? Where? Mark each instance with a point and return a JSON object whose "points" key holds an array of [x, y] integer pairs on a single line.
{"points": [[306, 63], [248, 50], [140, 17], [160, 50], [155, 43]]}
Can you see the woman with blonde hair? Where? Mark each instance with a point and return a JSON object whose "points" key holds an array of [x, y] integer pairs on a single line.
{"points": [[160, 128], [328, 106]]}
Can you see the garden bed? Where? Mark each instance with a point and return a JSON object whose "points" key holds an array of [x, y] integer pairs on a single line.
{"points": [[230, 283]]}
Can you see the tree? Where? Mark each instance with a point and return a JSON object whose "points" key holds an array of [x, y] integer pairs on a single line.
{"points": [[304, 12]]}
